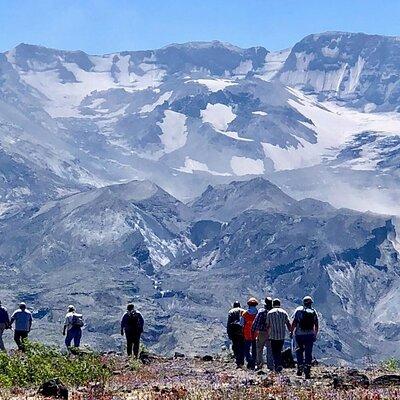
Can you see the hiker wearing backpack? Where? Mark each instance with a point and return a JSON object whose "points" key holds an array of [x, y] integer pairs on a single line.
{"points": [[235, 333], [277, 322], [250, 336], [73, 327], [132, 325], [259, 327], [305, 326], [22, 318], [4, 324]]}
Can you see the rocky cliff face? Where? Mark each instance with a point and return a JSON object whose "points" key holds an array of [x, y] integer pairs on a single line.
{"points": [[358, 69]]}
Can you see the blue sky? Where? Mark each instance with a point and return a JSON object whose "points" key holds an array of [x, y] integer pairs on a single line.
{"points": [[101, 26]]}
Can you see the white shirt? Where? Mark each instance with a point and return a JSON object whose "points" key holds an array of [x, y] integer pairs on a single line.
{"points": [[68, 319]]}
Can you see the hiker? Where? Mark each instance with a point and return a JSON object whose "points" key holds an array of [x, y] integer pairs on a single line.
{"points": [[250, 337], [4, 324], [23, 324], [305, 327], [132, 325], [277, 322], [259, 327], [235, 333], [73, 327]]}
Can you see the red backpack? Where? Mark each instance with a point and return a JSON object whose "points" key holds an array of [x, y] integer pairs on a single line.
{"points": [[248, 323]]}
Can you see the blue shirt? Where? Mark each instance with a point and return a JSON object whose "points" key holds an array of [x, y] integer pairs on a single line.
{"points": [[22, 319]]}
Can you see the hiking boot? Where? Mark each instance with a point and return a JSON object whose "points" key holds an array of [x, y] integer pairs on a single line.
{"points": [[299, 371], [307, 372], [279, 369]]}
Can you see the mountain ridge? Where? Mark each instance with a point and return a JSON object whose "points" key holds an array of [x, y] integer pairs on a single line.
{"points": [[79, 131]]}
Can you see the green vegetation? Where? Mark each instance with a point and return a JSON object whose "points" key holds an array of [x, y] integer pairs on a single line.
{"points": [[391, 364], [134, 364], [41, 363]]}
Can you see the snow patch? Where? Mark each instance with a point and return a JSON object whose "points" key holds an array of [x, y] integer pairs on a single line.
{"points": [[218, 115], [329, 52], [334, 126], [234, 135], [62, 99], [193, 165], [214, 85], [174, 130], [246, 166]]}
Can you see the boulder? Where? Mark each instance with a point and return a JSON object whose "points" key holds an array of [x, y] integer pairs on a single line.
{"points": [[147, 358], [351, 379], [386, 380], [54, 388]]}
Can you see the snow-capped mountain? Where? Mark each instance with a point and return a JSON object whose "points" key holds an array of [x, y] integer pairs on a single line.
{"points": [[115, 172], [189, 108], [185, 115]]}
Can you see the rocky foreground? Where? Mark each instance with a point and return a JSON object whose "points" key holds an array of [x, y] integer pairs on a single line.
{"points": [[217, 378]]}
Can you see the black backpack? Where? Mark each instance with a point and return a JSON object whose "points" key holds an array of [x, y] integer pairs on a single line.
{"points": [[133, 322], [307, 320], [77, 321], [236, 329]]}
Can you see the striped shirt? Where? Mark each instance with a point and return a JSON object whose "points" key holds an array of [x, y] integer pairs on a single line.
{"points": [[277, 320]]}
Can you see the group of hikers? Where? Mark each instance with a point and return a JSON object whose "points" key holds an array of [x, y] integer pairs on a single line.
{"points": [[254, 329], [131, 327], [250, 331]]}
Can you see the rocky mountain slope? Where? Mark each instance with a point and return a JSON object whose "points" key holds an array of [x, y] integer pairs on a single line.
{"points": [[184, 264]]}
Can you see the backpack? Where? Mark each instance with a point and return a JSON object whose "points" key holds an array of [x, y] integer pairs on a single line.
{"points": [[287, 358], [235, 328], [248, 323], [77, 321], [134, 322], [307, 320]]}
